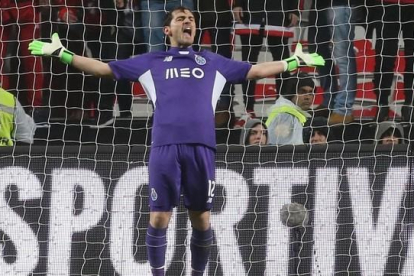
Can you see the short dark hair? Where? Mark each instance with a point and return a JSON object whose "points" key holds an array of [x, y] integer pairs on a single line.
{"points": [[169, 16], [294, 83], [316, 124]]}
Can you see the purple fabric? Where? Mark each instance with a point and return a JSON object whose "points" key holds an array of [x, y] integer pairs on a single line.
{"points": [[181, 169], [156, 241], [184, 87], [157, 272], [200, 249], [197, 273]]}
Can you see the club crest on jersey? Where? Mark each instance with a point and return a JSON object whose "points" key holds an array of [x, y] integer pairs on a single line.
{"points": [[200, 60], [154, 195]]}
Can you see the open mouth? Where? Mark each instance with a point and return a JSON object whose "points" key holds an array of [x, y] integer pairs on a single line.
{"points": [[187, 31]]}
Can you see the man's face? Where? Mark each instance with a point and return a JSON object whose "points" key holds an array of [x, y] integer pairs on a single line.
{"points": [[390, 140], [182, 29], [257, 135], [318, 138], [304, 97]]}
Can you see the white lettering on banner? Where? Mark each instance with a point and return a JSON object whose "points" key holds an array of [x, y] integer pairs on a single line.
{"points": [[374, 241], [22, 236], [324, 231], [280, 182], [237, 200], [63, 222], [122, 225], [188, 252], [409, 260]]}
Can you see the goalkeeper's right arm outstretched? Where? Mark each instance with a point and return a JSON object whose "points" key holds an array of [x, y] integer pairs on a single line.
{"points": [[101, 69], [56, 49], [272, 68]]}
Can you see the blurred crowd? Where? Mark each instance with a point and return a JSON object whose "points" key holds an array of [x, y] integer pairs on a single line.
{"points": [[110, 30]]}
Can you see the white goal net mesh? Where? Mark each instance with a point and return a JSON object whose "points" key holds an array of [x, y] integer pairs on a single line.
{"points": [[75, 202]]}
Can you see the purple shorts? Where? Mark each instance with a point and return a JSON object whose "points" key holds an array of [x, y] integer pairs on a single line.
{"points": [[181, 169]]}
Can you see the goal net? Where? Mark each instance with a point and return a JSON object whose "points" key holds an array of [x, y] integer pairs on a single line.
{"points": [[75, 202]]}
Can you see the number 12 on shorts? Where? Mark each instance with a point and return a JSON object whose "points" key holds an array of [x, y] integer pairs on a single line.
{"points": [[211, 187]]}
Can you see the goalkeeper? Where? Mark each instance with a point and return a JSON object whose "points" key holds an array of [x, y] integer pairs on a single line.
{"points": [[184, 87]]}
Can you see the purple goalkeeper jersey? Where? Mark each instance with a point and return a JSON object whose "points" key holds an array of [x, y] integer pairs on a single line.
{"points": [[184, 87]]}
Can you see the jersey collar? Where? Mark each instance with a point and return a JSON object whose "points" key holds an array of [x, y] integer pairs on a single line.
{"points": [[181, 51]]}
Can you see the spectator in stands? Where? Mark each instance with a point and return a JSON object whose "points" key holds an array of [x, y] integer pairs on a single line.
{"points": [[319, 41], [215, 19], [23, 17], [289, 114], [319, 136], [15, 125], [80, 23], [315, 131], [269, 15], [109, 35], [389, 133], [390, 18], [67, 16], [318, 131], [153, 13], [121, 42], [334, 24], [254, 132]]}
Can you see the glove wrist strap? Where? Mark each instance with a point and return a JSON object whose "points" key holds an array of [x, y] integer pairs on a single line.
{"points": [[292, 63], [66, 57]]}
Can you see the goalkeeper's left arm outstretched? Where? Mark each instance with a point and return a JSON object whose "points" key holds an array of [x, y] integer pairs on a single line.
{"points": [[101, 69], [56, 49], [299, 59]]}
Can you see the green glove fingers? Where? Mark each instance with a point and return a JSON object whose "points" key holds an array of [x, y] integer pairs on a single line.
{"points": [[312, 60], [300, 59], [35, 48], [317, 60]]}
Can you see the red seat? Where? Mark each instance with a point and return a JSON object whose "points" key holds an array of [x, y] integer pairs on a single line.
{"points": [[318, 95], [265, 92], [366, 97], [365, 56]]}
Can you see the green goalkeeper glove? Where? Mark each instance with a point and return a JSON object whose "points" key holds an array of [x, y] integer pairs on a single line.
{"points": [[300, 59], [54, 49]]}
